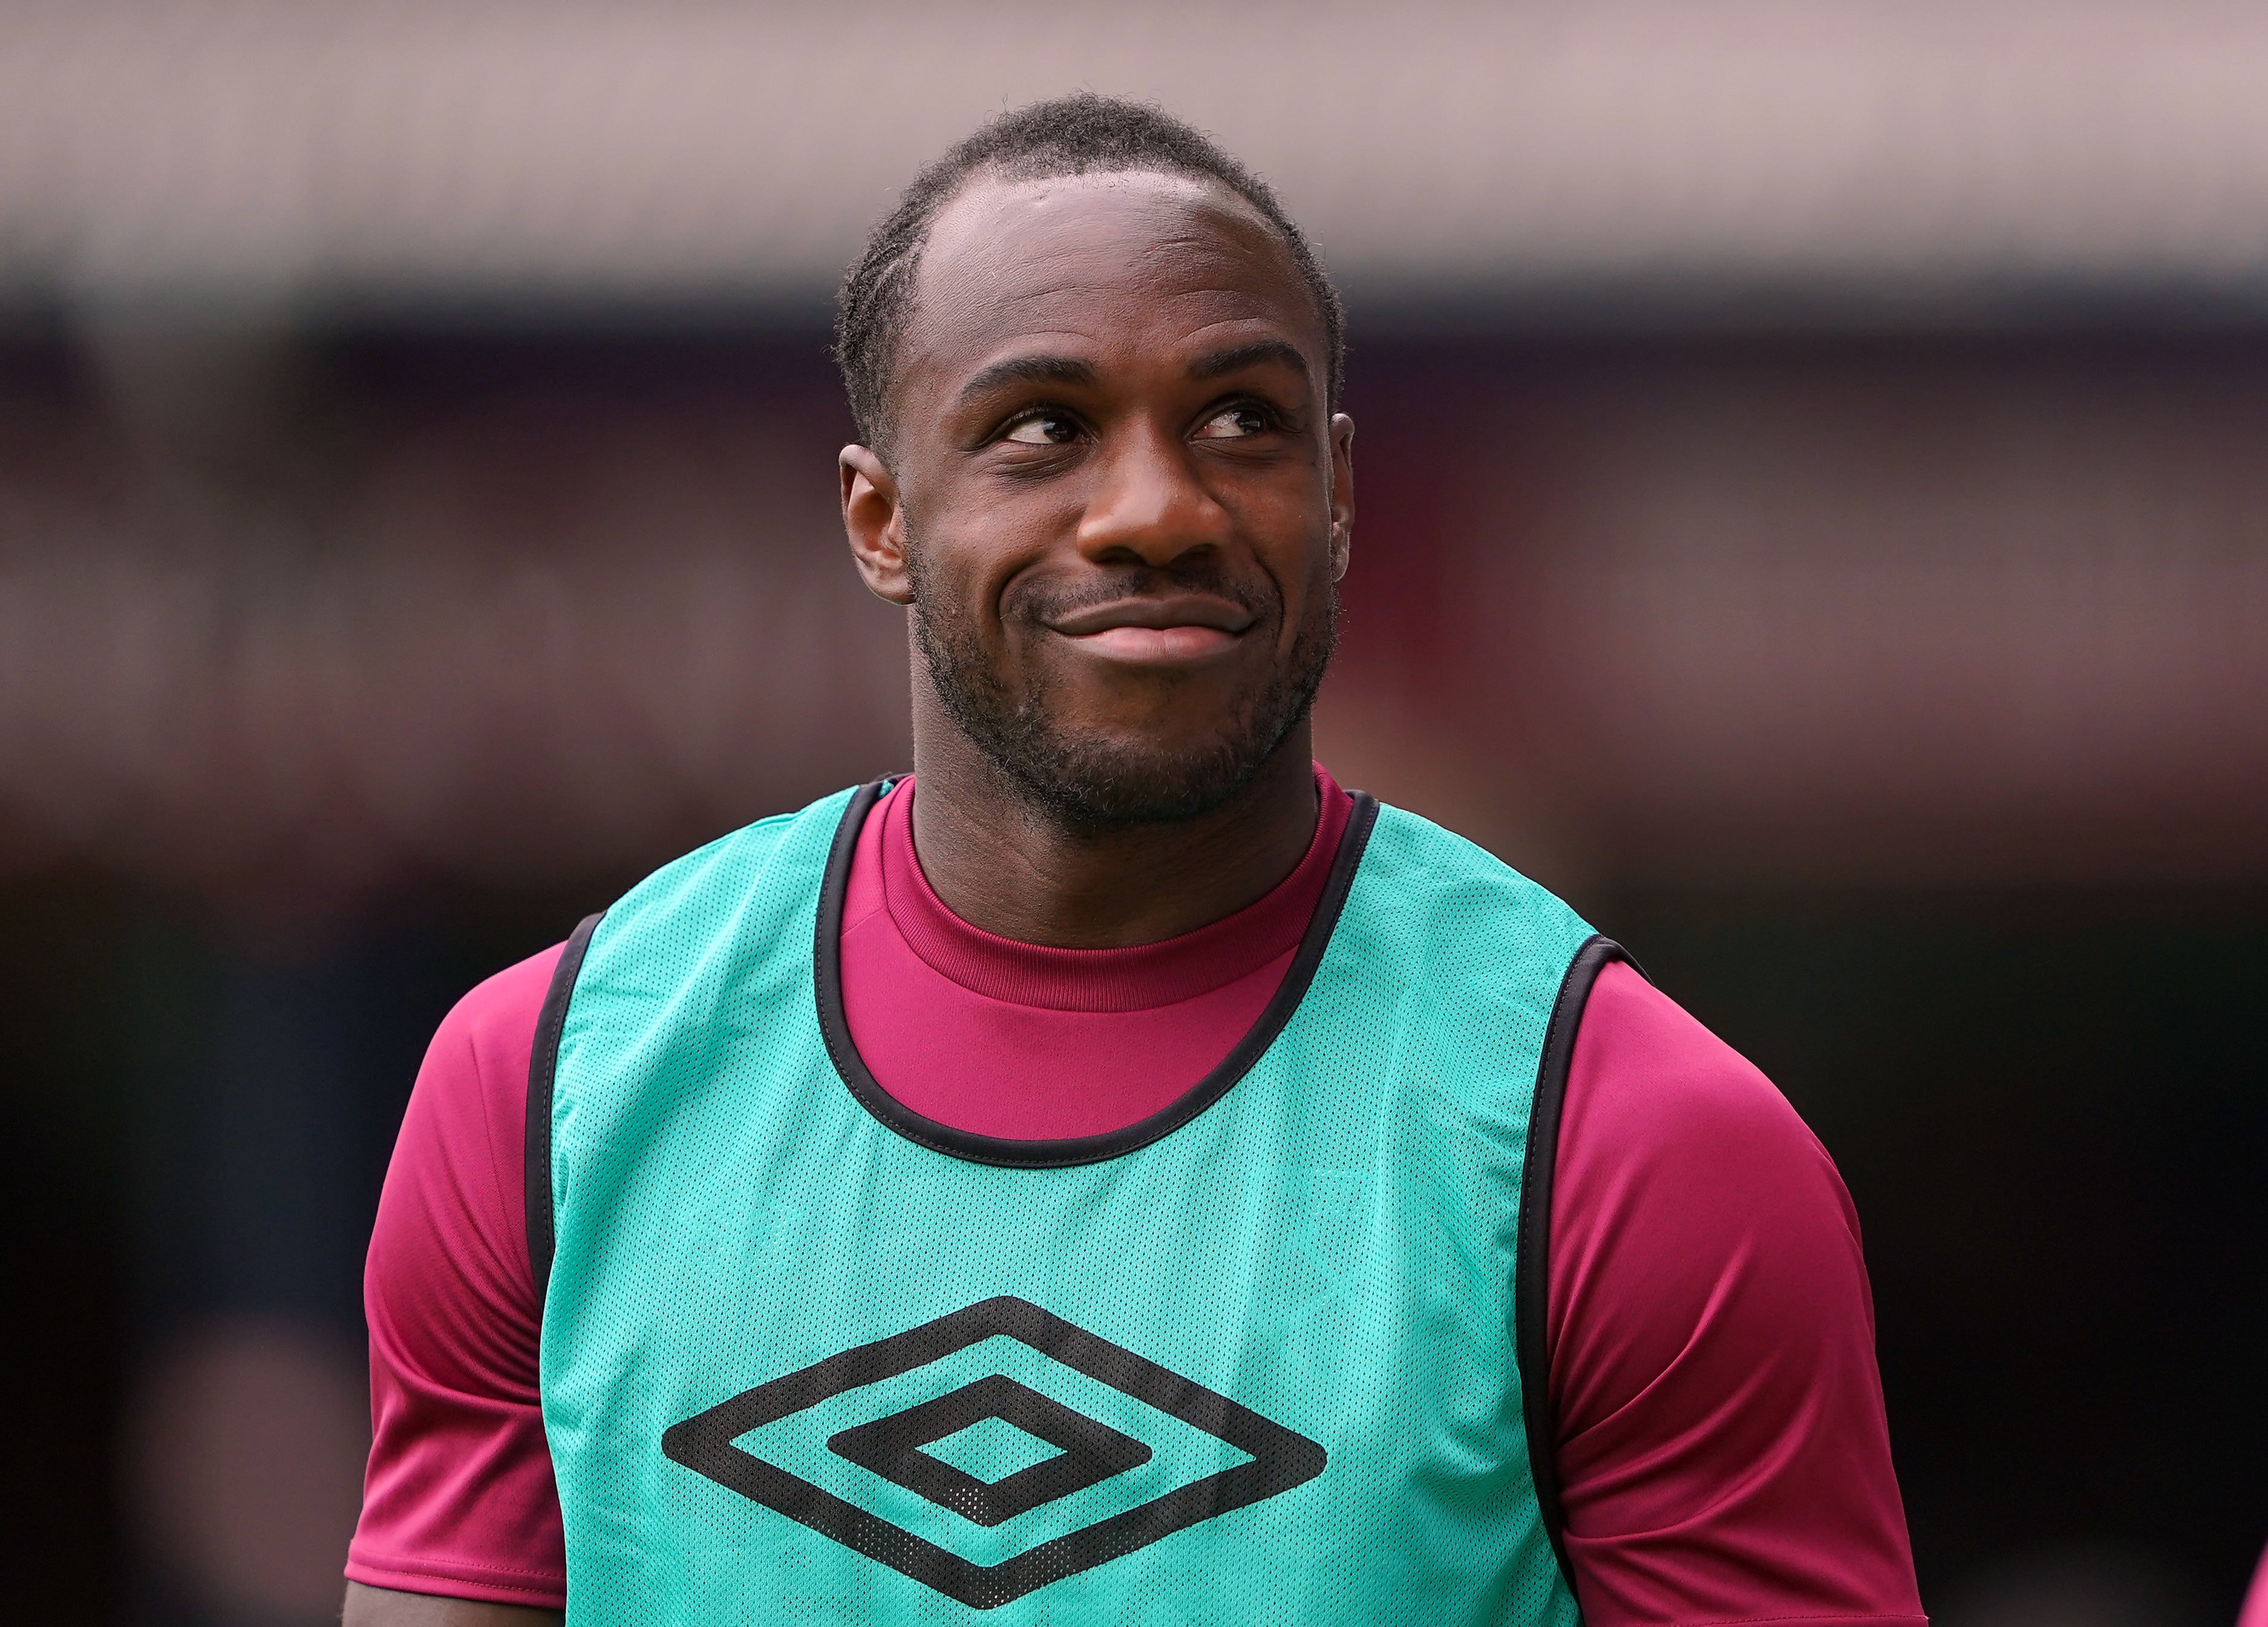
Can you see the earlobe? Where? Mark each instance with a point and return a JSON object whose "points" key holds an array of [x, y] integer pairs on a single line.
{"points": [[873, 523]]}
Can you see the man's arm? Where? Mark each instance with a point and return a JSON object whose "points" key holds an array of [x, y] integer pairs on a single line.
{"points": [[1722, 1452], [459, 1509], [383, 1607]]}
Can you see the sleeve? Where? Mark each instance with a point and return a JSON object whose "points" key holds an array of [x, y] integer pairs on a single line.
{"points": [[459, 1498], [2256, 1599], [1722, 1450]]}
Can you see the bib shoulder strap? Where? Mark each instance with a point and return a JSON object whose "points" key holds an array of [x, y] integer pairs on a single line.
{"points": [[1533, 1277], [543, 1068]]}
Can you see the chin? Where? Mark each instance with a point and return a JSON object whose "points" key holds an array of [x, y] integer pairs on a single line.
{"points": [[1103, 780], [1093, 750]]}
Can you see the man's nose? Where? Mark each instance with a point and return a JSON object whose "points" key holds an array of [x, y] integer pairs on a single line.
{"points": [[1149, 505]]}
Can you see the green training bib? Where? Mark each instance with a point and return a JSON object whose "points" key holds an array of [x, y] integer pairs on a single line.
{"points": [[1273, 1355]]}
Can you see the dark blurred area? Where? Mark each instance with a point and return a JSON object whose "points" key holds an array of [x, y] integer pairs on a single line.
{"points": [[1869, 628]]}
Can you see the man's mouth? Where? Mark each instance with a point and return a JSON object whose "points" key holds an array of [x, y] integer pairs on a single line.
{"points": [[1164, 629]]}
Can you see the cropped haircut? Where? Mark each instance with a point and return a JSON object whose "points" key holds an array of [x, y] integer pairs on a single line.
{"points": [[1078, 135]]}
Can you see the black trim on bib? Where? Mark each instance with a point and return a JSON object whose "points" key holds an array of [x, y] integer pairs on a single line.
{"points": [[827, 959], [1532, 1274], [542, 1067]]}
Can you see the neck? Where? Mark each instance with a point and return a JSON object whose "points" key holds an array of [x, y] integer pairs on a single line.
{"points": [[1012, 868]]}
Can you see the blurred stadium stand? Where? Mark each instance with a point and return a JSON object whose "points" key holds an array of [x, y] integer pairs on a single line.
{"points": [[1813, 512], [1917, 156]]}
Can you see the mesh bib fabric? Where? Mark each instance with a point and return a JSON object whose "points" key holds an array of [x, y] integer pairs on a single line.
{"points": [[1255, 1362]]}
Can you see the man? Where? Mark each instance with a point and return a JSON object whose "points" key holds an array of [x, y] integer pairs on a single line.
{"points": [[1112, 1174]]}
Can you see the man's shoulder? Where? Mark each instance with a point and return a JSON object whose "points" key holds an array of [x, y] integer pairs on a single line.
{"points": [[1690, 1077], [1453, 892], [716, 912], [1660, 1107], [716, 877], [490, 1030]]}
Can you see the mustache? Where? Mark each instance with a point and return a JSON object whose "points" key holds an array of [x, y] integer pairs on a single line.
{"points": [[1251, 592]]}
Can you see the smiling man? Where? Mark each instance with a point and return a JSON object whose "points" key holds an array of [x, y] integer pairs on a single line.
{"points": [[1112, 1173]]}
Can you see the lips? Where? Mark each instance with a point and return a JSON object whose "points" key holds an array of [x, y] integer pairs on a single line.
{"points": [[1164, 629], [1160, 612]]}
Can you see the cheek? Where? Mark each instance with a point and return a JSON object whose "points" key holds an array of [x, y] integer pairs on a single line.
{"points": [[1288, 517], [1301, 564], [943, 591], [982, 598], [979, 549]]}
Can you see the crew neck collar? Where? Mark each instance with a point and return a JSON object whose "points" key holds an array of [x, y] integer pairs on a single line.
{"points": [[1139, 977]]}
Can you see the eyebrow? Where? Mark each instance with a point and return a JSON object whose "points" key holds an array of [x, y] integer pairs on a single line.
{"points": [[1029, 370], [1071, 370], [1238, 357]]}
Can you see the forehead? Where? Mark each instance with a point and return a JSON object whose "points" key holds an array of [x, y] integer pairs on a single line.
{"points": [[1104, 262]]}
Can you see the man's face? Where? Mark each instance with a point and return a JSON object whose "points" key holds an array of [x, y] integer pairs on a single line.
{"points": [[1115, 498]]}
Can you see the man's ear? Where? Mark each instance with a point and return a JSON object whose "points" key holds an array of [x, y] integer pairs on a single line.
{"points": [[874, 522], [1341, 493]]}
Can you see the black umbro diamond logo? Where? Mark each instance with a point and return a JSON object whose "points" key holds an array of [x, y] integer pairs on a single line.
{"points": [[1086, 1451], [913, 1446]]}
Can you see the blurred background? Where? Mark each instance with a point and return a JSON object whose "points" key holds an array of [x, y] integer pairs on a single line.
{"points": [[1813, 513]]}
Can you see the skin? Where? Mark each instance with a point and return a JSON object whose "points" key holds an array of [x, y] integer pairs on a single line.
{"points": [[1105, 378]]}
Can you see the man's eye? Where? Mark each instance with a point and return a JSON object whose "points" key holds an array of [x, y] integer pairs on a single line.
{"points": [[1231, 423], [1046, 429]]}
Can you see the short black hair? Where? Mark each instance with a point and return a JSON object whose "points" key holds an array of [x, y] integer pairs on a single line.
{"points": [[1075, 135]]}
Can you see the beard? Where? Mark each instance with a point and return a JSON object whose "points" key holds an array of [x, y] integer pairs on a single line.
{"points": [[1086, 782]]}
